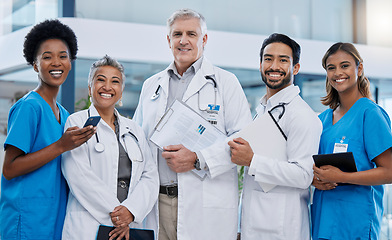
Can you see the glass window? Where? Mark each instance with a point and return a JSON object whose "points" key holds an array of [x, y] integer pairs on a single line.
{"points": [[17, 14], [308, 19]]}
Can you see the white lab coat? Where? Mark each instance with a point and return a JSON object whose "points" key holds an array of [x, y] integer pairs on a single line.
{"points": [[282, 213], [206, 209], [92, 177]]}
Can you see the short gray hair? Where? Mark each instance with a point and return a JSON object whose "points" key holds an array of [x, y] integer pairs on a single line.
{"points": [[186, 13], [106, 61]]}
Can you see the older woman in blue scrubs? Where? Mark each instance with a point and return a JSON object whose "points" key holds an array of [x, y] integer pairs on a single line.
{"points": [[33, 190], [356, 124]]}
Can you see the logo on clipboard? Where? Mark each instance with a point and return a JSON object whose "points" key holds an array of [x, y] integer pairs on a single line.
{"points": [[201, 129]]}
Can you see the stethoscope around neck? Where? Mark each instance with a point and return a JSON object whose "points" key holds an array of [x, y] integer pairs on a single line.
{"points": [[100, 147], [157, 93], [280, 105]]}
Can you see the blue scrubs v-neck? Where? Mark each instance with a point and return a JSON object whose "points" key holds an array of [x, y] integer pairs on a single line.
{"points": [[352, 211], [33, 205]]}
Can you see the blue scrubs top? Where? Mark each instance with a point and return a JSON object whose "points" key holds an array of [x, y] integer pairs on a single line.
{"points": [[33, 206], [352, 211]]}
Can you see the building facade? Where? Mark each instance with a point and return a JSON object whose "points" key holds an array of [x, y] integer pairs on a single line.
{"points": [[134, 32]]}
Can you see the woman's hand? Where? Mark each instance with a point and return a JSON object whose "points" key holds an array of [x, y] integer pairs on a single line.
{"points": [[328, 173], [320, 185], [74, 137], [121, 218], [17, 163], [119, 233]]}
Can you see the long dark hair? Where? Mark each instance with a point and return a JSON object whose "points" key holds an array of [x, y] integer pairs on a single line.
{"points": [[332, 98]]}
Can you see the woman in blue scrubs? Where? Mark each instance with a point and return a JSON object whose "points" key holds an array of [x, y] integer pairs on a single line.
{"points": [[353, 123], [33, 190]]}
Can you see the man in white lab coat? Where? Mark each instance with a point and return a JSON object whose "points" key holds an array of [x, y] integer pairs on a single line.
{"points": [[192, 206], [282, 212]]}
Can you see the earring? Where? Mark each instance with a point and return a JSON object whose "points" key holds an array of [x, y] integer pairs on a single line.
{"points": [[120, 103]]}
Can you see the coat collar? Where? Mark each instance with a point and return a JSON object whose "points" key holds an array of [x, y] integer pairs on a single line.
{"points": [[286, 95], [198, 81], [122, 124]]}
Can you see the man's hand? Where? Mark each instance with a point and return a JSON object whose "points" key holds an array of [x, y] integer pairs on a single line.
{"points": [[241, 152], [179, 158]]}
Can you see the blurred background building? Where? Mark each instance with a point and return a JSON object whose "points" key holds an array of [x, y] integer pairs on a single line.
{"points": [[134, 32]]}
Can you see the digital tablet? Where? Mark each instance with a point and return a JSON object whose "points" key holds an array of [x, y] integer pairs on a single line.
{"points": [[344, 161], [134, 233]]}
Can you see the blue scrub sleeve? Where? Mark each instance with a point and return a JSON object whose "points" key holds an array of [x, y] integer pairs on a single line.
{"points": [[22, 126], [377, 132]]}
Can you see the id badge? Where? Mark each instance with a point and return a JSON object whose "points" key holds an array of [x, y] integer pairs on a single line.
{"points": [[213, 111], [341, 145]]}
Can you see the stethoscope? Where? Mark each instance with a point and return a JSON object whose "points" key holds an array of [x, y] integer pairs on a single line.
{"points": [[157, 94], [99, 147], [280, 105], [215, 92]]}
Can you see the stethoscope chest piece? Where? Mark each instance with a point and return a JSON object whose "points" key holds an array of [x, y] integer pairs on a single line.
{"points": [[99, 147], [156, 94]]}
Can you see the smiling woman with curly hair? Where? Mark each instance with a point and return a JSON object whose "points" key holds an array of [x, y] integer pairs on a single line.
{"points": [[33, 190]]}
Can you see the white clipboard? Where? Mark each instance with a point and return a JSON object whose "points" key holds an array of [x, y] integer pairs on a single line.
{"points": [[182, 125], [267, 139]]}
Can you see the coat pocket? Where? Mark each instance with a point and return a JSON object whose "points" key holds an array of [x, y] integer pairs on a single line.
{"points": [[267, 214], [220, 192]]}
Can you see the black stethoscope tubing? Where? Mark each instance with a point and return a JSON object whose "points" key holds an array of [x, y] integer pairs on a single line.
{"points": [[156, 93], [215, 90], [280, 105], [100, 147]]}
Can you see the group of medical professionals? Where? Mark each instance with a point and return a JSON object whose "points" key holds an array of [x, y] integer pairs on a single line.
{"points": [[62, 180]]}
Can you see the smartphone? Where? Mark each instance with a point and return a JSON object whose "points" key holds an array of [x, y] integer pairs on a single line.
{"points": [[92, 121]]}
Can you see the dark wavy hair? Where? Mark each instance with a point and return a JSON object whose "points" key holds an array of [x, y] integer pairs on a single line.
{"points": [[49, 29], [332, 98], [281, 38]]}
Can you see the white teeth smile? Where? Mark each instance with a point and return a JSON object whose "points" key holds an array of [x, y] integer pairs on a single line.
{"points": [[183, 50], [56, 72], [340, 80], [274, 75], [106, 95]]}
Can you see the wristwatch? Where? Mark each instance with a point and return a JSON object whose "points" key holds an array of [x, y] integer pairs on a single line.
{"points": [[197, 164]]}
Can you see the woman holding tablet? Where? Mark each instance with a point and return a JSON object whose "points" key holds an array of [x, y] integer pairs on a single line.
{"points": [[353, 123], [113, 178]]}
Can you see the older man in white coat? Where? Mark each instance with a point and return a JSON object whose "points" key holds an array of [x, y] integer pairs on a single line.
{"points": [[190, 206], [282, 212]]}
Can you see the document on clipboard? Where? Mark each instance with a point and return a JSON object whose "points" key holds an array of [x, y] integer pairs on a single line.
{"points": [[267, 139], [182, 125]]}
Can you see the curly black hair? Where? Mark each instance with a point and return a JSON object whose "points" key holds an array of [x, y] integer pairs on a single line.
{"points": [[48, 29]]}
